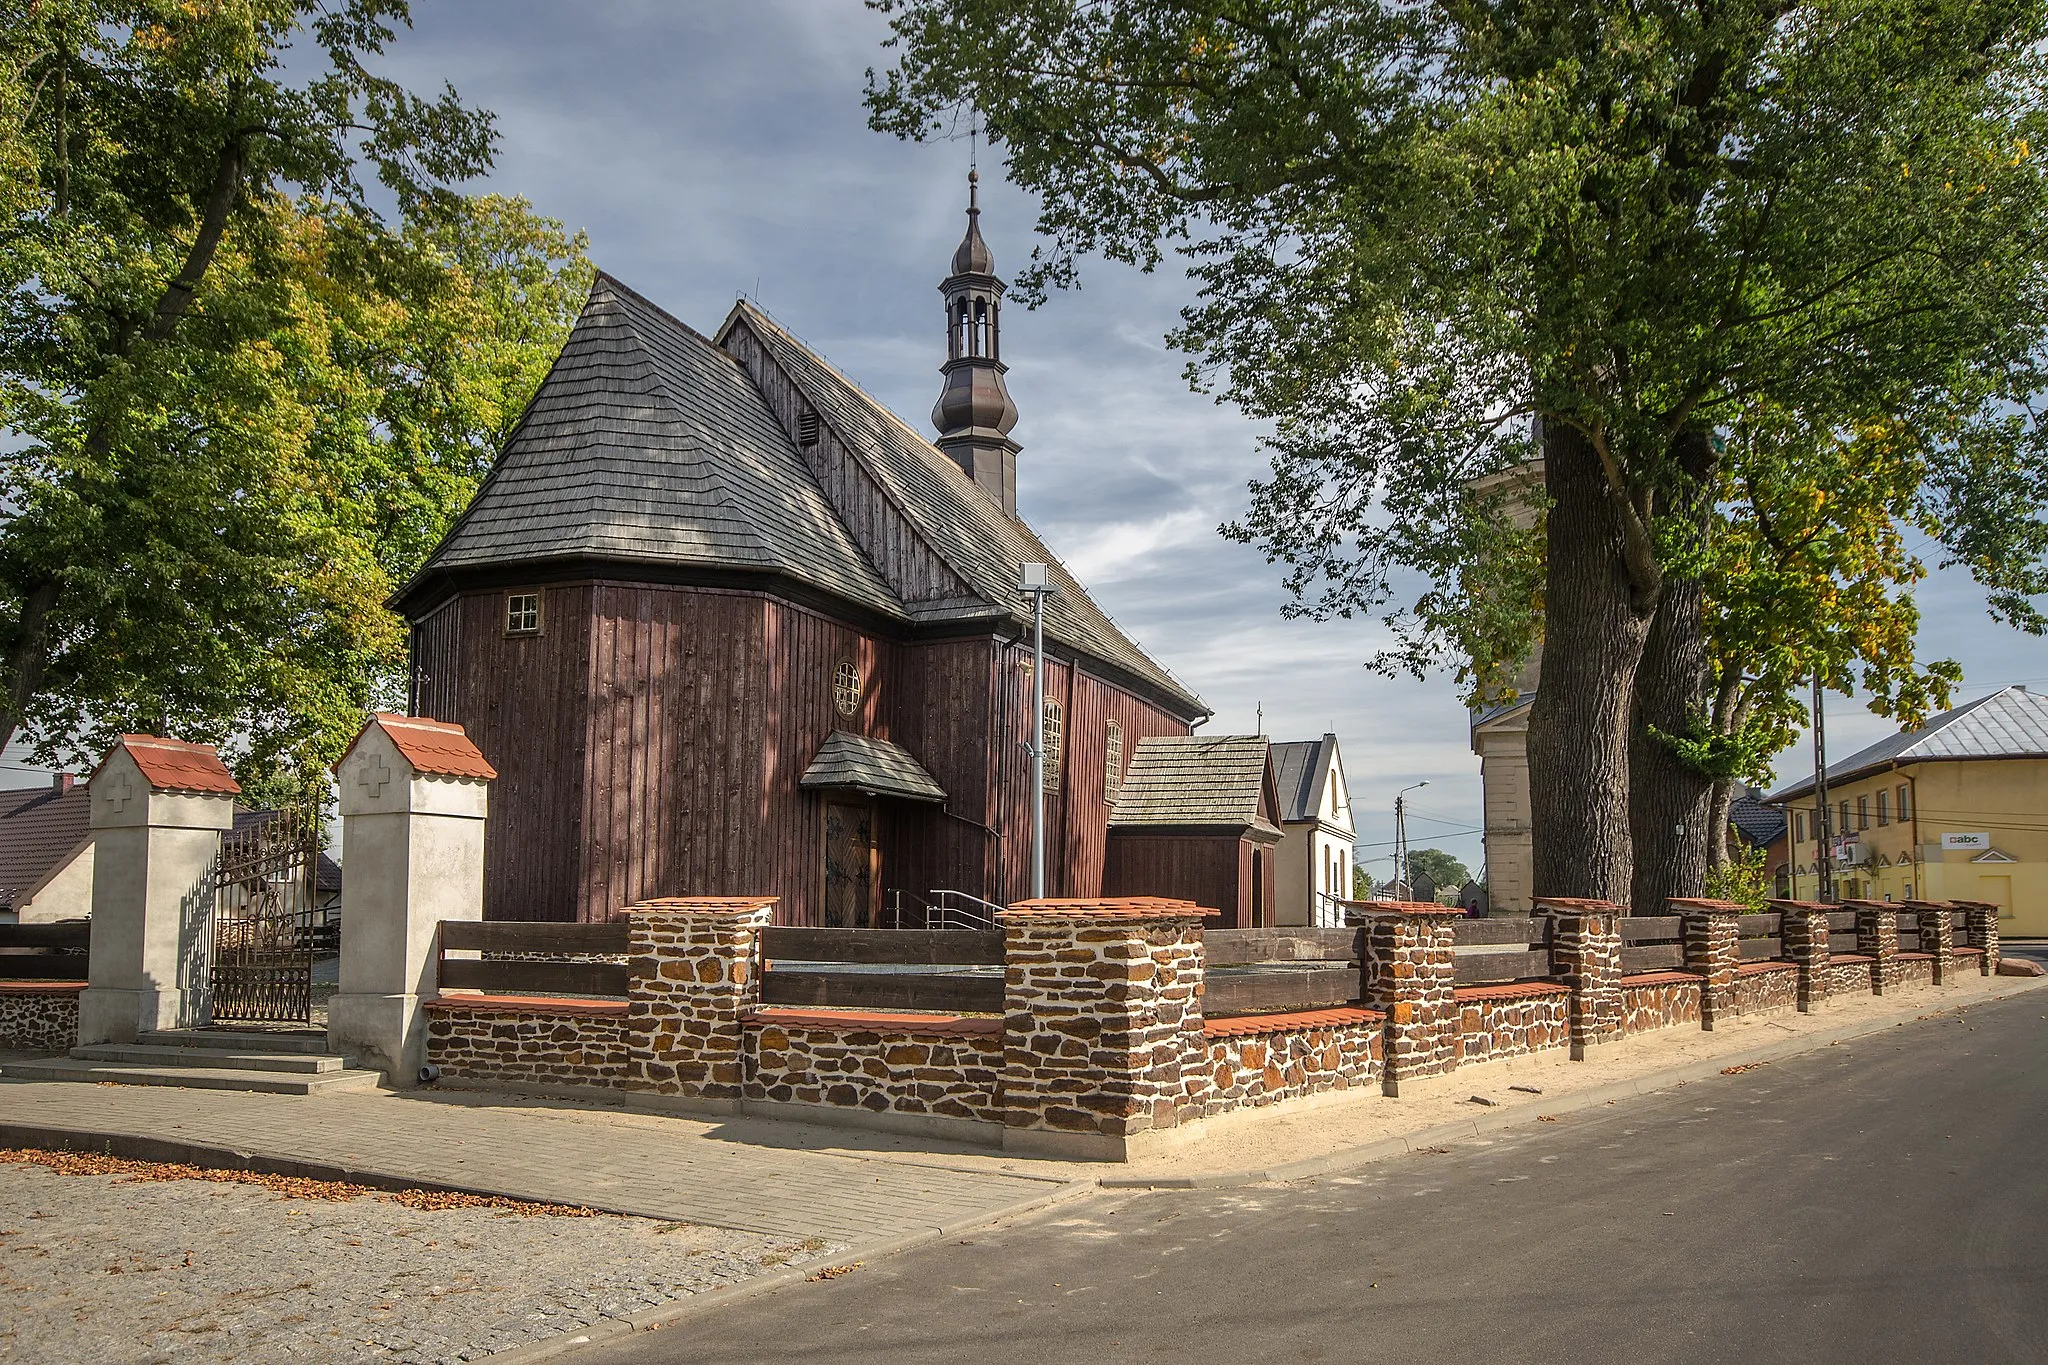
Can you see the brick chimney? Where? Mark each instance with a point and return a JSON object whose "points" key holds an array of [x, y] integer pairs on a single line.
{"points": [[63, 782]]}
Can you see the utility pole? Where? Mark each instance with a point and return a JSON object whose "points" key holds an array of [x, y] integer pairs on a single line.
{"points": [[1034, 580], [1824, 856], [1402, 878]]}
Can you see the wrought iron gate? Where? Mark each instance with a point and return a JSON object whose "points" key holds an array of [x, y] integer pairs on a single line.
{"points": [[264, 921]]}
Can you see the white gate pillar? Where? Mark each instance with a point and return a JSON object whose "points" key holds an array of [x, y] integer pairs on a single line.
{"points": [[158, 809], [414, 795]]}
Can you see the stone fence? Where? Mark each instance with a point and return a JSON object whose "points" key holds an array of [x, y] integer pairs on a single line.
{"points": [[1098, 1044]]}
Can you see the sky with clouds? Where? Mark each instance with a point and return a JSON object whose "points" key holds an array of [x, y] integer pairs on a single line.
{"points": [[717, 149], [714, 149]]}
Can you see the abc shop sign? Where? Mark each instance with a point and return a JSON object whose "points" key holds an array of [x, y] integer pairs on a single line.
{"points": [[1975, 842]]}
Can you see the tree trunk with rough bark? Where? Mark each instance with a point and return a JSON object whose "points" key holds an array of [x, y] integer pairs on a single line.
{"points": [[1671, 802], [1594, 627]]}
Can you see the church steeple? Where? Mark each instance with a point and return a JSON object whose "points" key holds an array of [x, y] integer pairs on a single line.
{"points": [[974, 413]]}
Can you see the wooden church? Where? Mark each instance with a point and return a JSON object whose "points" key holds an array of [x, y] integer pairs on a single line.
{"points": [[725, 625]]}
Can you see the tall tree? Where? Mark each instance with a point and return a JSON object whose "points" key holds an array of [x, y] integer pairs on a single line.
{"points": [[239, 395], [1414, 228]]}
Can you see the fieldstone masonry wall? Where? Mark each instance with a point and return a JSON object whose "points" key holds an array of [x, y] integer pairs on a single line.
{"points": [[1877, 938], [39, 1017], [1263, 1060], [1409, 972], [1102, 1040], [1937, 938], [1803, 932], [1102, 1030], [885, 1064], [1981, 924], [694, 975], [1713, 950], [538, 1041], [1585, 954]]}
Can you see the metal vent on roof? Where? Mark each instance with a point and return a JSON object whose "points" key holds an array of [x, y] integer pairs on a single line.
{"points": [[807, 429]]}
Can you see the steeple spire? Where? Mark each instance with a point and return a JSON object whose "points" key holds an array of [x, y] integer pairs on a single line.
{"points": [[974, 413]]}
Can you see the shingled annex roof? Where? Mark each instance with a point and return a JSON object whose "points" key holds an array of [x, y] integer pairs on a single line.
{"points": [[649, 444], [847, 762], [2010, 723], [1194, 780]]}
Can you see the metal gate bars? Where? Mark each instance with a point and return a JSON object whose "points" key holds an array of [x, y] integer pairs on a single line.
{"points": [[264, 921]]}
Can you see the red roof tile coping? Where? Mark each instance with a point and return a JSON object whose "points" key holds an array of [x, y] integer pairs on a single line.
{"points": [[1933, 905], [441, 748], [1404, 907], [1717, 907], [1110, 908], [1588, 904], [1962, 951], [1754, 968], [1913, 955], [1660, 979], [707, 905], [1510, 990], [41, 987], [1252, 1025], [1848, 959], [1974, 905], [1871, 905], [1800, 905], [523, 1004], [870, 1021], [172, 765]]}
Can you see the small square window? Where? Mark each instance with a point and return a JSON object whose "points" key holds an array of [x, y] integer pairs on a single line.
{"points": [[522, 613]]}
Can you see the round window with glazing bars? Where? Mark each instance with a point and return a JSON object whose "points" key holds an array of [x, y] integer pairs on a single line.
{"points": [[846, 688]]}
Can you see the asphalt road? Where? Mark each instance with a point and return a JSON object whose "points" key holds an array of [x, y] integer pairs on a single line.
{"points": [[1880, 1200]]}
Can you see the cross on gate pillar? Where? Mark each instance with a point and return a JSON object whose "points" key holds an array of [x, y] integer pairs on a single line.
{"points": [[158, 807], [414, 796]]}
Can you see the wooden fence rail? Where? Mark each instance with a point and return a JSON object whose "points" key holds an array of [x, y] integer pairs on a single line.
{"points": [[533, 976], [45, 952]]}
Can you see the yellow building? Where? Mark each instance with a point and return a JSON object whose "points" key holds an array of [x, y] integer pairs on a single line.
{"points": [[1956, 810]]}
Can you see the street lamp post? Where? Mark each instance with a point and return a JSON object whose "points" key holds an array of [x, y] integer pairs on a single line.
{"points": [[1033, 579]]}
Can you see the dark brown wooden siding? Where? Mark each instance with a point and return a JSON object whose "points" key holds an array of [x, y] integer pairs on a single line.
{"points": [[524, 701], [940, 706], [1208, 869], [1096, 703]]}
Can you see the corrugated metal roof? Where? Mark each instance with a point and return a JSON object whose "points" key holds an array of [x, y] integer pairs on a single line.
{"points": [[849, 762], [2009, 723], [1193, 780], [646, 443], [968, 530]]}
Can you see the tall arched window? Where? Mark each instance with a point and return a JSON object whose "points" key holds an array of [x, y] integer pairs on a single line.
{"points": [[1055, 727], [1113, 762]]}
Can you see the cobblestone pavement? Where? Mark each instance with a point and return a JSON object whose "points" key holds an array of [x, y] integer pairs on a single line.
{"points": [[101, 1269]]}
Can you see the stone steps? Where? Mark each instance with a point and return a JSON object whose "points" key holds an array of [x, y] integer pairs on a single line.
{"points": [[191, 1077], [214, 1059], [308, 1041]]}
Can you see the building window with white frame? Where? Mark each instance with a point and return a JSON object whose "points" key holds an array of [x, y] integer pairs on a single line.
{"points": [[522, 613]]}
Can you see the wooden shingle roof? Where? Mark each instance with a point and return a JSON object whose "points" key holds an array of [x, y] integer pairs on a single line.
{"points": [[1194, 780], [862, 763], [648, 444], [968, 530]]}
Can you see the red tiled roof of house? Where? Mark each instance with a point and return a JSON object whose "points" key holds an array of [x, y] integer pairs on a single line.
{"points": [[172, 765]]}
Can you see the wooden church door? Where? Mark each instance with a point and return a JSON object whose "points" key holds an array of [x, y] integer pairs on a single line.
{"points": [[849, 865]]}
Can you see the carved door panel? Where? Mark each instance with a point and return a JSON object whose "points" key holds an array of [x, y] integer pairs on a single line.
{"points": [[849, 866]]}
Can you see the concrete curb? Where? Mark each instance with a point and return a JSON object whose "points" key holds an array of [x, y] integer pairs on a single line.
{"points": [[670, 1314], [1482, 1124]]}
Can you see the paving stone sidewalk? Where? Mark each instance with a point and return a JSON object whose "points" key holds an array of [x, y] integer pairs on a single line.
{"points": [[674, 1169]]}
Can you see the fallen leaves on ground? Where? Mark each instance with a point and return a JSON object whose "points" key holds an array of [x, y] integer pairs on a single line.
{"points": [[287, 1186], [833, 1272], [1738, 1070]]}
